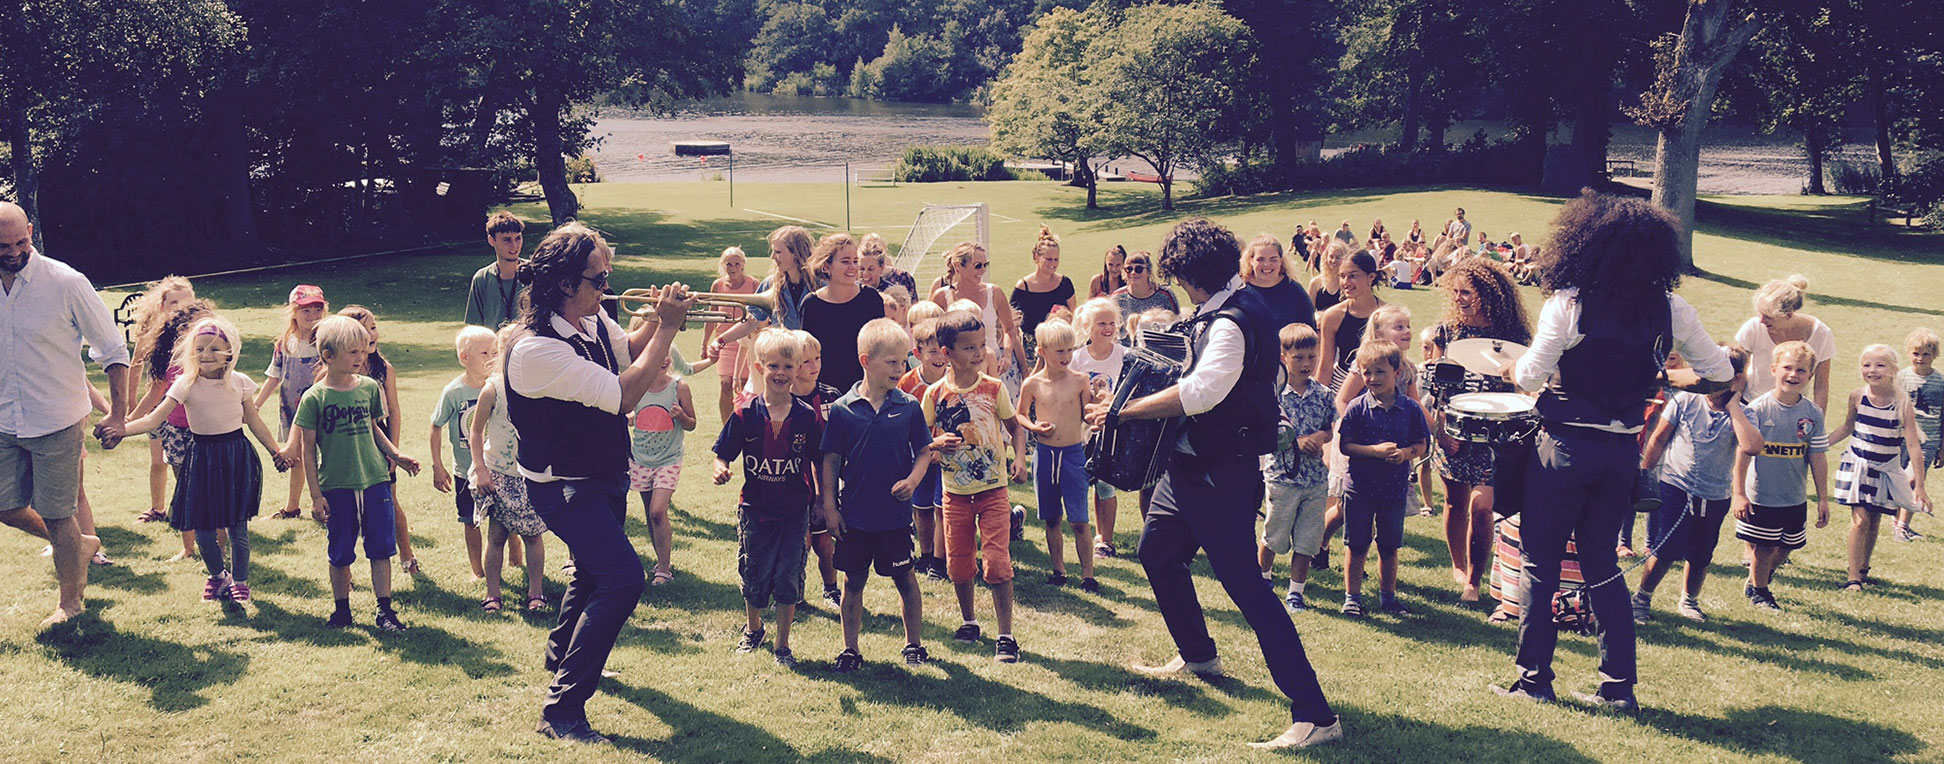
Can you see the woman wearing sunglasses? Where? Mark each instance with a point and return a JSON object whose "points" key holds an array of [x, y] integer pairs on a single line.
{"points": [[965, 272], [1141, 293]]}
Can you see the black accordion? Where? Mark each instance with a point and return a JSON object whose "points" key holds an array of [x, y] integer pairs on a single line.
{"points": [[1132, 454]]}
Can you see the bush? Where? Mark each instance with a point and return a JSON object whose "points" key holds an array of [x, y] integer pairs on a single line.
{"points": [[934, 164], [581, 170], [1920, 189], [1854, 179], [1478, 161]]}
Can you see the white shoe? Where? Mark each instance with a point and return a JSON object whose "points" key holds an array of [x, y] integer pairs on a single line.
{"points": [[1210, 668], [1303, 735]]}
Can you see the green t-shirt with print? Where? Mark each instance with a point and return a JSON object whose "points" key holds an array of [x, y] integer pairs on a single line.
{"points": [[342, 420]]}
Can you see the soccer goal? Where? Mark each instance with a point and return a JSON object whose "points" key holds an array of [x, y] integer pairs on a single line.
{"points": [[938, 228]]}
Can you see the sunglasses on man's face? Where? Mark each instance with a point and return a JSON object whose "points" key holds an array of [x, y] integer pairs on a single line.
{"points": [[599, 280]]}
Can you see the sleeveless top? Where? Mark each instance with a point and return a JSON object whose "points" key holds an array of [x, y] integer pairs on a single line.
{"points": [[1326, 298], [1349, 336], [1878, 436], [989, 316], [1034, 306]]}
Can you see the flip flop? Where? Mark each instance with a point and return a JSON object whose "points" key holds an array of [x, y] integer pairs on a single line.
{"points": [[492, 604]]}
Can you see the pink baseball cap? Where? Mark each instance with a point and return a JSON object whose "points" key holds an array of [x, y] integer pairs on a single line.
{"points": [[307, 294]]}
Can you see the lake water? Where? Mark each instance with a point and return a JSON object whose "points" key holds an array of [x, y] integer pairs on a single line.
{"points": [[806, 139]]}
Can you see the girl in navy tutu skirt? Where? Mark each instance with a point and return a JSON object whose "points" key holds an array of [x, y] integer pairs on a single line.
{"points": [[222, 478]]}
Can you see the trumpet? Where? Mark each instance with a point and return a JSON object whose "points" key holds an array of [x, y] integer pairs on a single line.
{"points": [[710, 307]]}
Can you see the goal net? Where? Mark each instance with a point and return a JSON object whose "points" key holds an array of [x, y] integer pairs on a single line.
{"points": [[938, 228]]}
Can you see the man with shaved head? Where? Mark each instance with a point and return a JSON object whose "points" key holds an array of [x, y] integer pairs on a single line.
{"points": [[47, 311]]}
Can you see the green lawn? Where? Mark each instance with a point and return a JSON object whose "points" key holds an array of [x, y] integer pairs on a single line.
{"points": [[154, 674]]}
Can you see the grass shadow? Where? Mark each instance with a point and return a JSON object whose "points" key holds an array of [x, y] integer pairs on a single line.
{"points": [[285, 626], [983, 703], [1832, 227], [121, 576], [1795, 734], [1186, 692], [697, 735], [433, 646], [174, 674], [1388, 738], [1820, 298]]}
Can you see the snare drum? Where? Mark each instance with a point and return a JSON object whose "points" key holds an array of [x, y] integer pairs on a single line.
{"points": [[1491, 418]]}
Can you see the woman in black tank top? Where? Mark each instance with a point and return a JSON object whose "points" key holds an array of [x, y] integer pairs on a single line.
{"points": [[1343, 324]]}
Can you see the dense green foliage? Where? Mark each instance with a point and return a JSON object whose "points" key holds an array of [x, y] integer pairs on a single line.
{"points": [[936, 164]]}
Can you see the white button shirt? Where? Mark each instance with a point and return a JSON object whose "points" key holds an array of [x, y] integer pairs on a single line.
{"points": [[1218, 363], [542, 367], [1559, 331], [44, 319]]}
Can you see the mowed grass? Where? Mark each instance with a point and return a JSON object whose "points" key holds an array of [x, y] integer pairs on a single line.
{"points": [[151, 673]]}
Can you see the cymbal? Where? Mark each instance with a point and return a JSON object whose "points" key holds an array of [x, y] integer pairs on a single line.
{"points": [[1483, 356]]}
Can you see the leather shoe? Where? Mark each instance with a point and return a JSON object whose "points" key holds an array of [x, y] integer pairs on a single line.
{"points": [[1303, 735], [1210, 668]]}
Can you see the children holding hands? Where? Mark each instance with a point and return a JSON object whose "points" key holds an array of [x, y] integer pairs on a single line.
{"points": [[348, 461], [875, 454]]}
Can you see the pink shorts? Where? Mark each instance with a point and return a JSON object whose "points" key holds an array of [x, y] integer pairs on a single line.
{"points": [[644, 479]]}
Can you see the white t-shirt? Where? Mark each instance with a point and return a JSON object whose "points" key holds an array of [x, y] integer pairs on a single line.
{"points": [[1402, 271], [212, 409], [1761, 351], [1110, 367]]}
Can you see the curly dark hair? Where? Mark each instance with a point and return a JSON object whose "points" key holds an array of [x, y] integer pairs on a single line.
{"points": [[1622, 254], [160, 343], [1496, 294], [1200, 253], [554, 270]]}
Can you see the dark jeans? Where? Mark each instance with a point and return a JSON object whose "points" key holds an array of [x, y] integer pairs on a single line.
{"points": [[604, 585], [1586, 478], [1209, 504], [212, 552]]}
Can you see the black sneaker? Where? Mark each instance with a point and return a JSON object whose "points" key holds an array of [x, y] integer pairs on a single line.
{"points": [[968, 633], [1765, 600], [785, 659], [1056, 578], [1089, 586], [936, 570], [848, 661], [750, 641], [1005, 650], [339, 619], [1748, 590], [388, 621], [833, 596], [577, 732], [915, 655], [1353, 606]]}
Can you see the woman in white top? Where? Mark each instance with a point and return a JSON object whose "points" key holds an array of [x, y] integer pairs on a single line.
{"points": [[1778, 319], [966, 270]]}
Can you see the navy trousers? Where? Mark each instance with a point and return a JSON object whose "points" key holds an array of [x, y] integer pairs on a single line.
{"points": [[1580, 481], [604, 586], [1210, 504]]}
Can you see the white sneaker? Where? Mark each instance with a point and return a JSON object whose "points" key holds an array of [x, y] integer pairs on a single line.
{"points": [[1210, 668], [1303, 735]]}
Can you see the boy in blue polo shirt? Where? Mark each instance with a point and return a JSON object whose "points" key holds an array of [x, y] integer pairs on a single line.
{"points": [[1381, 433], [876, 443]]}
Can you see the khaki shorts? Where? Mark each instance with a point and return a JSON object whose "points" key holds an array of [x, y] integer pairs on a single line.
{"points": [[43, 473]]}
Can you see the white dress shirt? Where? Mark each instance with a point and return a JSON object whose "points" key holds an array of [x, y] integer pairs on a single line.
{"points": [[543, 367], [1558, 332], [44, 319], [1218, 363]]}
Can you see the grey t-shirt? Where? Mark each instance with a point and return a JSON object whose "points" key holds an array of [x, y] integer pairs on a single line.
{"points": [[1700, 459], [1789, 435], [491, 300]]}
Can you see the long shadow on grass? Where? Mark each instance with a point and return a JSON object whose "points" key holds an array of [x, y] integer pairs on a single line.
{"points": [[1831, 228], [983, 703], [123, 577], [174, 674], [1186, 692], [698, 735], [1792, 733], [267, 579], [291, 627], [1379, 737], [691, 525]]}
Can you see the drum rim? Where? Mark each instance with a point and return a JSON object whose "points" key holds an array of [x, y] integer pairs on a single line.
{"points": [[1456, 403]]}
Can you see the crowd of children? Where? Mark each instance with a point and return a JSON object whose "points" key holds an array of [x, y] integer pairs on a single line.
{"points": [[908, 472]]}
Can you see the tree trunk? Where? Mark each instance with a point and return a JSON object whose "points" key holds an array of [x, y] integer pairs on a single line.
{"points": [[548, 160], [1592, 128], [26, 173], [1814, 146], [236, 212], [1413, 107], [1879, 103], [1435, 129], [1282, 125], [1708, 42], [485, 117], [1093, 181]]}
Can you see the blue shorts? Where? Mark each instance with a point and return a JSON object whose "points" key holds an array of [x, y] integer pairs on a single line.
{"points": [[354, 512], [1364, 517], [930, 493], [1060, 477], [462, 498], [1685, 528]]}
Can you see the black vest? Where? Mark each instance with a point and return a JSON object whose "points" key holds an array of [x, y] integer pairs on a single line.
{"points": [[572, 439], [1613, 370], [1244, 422]]}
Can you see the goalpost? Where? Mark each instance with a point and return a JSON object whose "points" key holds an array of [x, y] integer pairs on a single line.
{"points": [[937, 229]]}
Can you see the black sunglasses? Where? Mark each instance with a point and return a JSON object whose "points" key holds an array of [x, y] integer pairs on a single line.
{"points": [[1137, 269], [599, 281]]}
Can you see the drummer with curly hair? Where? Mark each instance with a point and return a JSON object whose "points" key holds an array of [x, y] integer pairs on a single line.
{"points": [[1484, 305], [1609, 321], [1208, 496]]}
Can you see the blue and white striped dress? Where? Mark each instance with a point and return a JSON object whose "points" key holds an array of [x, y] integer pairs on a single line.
{"points": [[1870, 463]]}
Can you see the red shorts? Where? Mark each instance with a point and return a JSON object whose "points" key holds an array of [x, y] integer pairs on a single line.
{"points": [[981, 521]]}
